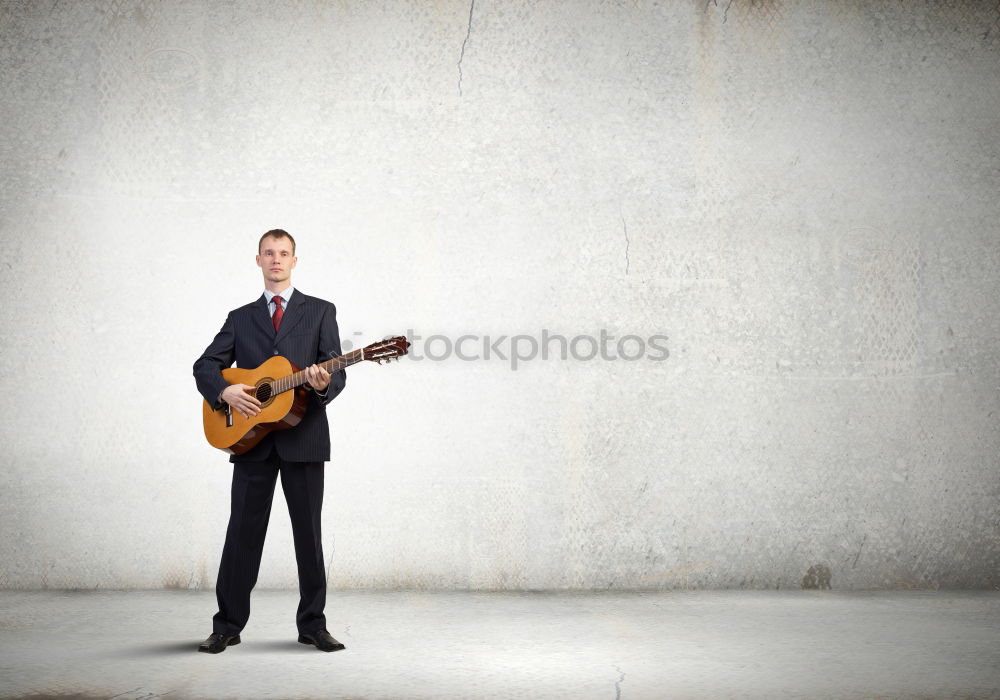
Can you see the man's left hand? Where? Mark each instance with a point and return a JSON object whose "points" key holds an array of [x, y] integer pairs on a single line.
{"points": [[319, 378]]}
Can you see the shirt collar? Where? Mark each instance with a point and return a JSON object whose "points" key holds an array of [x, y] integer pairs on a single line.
{"points": [[286, 294]]}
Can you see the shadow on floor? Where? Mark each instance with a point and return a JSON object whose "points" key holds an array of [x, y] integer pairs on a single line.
{"points": [[191, 647]]}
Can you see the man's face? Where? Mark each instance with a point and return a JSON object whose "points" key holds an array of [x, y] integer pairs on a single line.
{"points": [[276, 259]]}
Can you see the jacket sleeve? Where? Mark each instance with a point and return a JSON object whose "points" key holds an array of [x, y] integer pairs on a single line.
{"points": [[329, 347], [217, 356]]}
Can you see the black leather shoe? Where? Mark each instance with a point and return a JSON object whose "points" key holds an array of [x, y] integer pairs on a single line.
{"points": [[322, 640], [217, 642]]}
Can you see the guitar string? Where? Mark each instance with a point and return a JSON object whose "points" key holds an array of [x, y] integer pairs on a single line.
{"points": [[296, 379], [335, 364]]}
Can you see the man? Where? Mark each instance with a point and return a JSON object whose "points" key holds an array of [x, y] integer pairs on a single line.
{"points": [[303, 329]]}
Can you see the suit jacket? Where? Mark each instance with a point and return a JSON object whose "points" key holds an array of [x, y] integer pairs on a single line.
{"points": [[308, 335]]}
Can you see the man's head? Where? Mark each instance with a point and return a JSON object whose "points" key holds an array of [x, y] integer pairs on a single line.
{"points": [[276, 256]]}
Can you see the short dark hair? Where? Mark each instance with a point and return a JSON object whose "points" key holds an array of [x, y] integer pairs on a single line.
{"points": [[276, 233]]}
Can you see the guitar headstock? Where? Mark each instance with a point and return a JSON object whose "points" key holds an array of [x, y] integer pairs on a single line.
{"points": [[387, 349]]}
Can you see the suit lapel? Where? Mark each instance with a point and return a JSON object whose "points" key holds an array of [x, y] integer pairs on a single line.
{"points": [[292, 315], [263, 317]]}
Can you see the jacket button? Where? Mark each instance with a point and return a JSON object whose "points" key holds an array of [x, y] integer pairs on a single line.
{"points": [[275, 352]]}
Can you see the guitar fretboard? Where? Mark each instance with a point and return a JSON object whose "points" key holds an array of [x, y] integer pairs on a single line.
{"points": [[297, 379]]}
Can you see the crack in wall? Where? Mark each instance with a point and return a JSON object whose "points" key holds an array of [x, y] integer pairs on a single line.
{"points": [[468, 33], [725, 14], [859, 551], [329, 561], [625, 229]]}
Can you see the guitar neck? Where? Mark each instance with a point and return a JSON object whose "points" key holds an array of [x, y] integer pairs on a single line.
{"points": [[297, 379]]}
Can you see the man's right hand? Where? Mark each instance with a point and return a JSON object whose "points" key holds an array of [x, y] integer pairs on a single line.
{"points": [[236, 396]]}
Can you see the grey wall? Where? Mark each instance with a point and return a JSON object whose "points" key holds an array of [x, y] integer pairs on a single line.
{"points": [[803, 197]]}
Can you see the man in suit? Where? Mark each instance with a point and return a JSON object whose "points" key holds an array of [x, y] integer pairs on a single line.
{"points": [[303, 329]]}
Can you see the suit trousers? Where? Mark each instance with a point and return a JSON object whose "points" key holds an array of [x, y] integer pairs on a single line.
{"points": [[250, 510]]}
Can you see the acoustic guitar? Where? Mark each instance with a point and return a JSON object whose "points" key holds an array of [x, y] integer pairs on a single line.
{"points": [[282, 389]]}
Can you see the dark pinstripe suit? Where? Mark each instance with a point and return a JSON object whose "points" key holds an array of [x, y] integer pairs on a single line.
{"points": [[308, 334]]}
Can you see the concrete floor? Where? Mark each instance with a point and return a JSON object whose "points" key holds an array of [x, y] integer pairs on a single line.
{"points": [[616, 646]]}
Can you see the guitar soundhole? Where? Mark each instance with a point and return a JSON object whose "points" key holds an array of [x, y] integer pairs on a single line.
{"points": [[264, 392]]}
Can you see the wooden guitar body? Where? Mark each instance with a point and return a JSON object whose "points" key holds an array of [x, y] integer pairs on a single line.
{"points": [[278, 410], [282, 390]]}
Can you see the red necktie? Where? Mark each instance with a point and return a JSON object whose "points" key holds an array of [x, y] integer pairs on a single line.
{"points": [[278, 313]]}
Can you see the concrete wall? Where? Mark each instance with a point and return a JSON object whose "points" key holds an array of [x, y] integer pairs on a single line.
{"points": [[803, 197]]}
